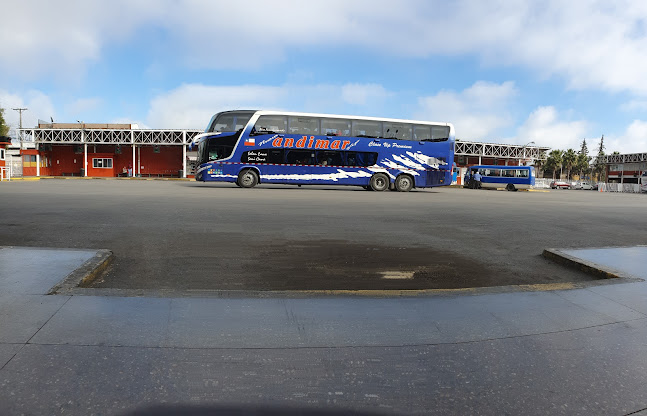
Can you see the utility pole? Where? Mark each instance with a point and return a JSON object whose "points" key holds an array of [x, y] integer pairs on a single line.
{"points": [[20, 110]]}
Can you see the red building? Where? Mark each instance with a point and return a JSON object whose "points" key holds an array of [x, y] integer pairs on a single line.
{"points": [[4, 142], [106, 150]]}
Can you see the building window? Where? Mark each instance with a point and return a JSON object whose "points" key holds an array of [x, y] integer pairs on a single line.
{"points": [[102, 163], [1, 154]]}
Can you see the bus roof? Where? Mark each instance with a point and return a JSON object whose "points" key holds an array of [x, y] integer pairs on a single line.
{"points": [[300, 114]]}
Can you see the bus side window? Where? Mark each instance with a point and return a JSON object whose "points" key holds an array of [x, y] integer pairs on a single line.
{"points": [[303, 125], [422, 133], [276, 157], [271, 125], [329, 159], [300, 157], [439, 133], [398, 131], [335, 127], [522, 173]]}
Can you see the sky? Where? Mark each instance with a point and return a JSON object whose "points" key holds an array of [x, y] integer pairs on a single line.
{"points": [[550, 72]]}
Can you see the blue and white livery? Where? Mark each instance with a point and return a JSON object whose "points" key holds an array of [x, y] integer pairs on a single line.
{"points": [[508, 177], [251, 147]]}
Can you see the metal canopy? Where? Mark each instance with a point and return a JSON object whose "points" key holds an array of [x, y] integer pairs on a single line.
{"points": [[628, 158], [184, 137], [109, 136], [510, 151]]}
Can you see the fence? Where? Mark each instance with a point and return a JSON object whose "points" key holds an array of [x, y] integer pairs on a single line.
{"points": [[5, 173], [542, 183], [633, 188], [15, 165]]}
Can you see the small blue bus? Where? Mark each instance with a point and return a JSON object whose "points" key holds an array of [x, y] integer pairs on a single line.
{"points": [[252, 147], [508, 177]]}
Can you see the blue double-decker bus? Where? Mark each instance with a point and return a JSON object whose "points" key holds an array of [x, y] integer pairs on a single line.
{"points": [[252, 147], [508, 177]]}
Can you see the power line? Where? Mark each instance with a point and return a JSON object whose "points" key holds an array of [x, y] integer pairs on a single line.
{"points": [[20, 110]]}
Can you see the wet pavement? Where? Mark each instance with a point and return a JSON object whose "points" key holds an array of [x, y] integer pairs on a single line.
{"points": [[574, 352]]}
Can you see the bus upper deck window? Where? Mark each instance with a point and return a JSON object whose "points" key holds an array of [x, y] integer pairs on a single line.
{"points": [[271, 125], [422, 133], [303, 125], [398, 131], [335, 127], [439, 133]]}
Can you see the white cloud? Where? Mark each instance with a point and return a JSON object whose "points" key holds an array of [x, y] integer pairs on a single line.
{"points": [[61, 38], [361, 94], [633, 140], [590, 44], [545, 128], [478, 112], [192, 105], [634, 105], [37, 103], [82, 105]]}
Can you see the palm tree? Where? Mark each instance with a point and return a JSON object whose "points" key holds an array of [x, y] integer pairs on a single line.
{"points": [[554, 161], [569, 158]]}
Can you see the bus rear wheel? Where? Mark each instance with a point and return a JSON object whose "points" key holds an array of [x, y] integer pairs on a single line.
{"points": [[247, 179], [379, 182], [510, 187], [403, 183]]}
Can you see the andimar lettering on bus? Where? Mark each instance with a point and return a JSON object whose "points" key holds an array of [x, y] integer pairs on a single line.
{"points": [[310, 142]]}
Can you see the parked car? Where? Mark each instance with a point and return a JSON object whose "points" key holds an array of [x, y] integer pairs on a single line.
{"points": [[560, 184], [583, 185]]}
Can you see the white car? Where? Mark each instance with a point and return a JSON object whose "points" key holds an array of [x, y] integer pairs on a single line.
{"points": [[583, 185]]}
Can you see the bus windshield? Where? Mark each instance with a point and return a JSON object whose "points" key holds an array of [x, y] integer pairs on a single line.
{"points": [[230, 121]]}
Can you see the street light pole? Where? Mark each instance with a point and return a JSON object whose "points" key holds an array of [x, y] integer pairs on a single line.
{"points": [[20, 110], [524, 151]]}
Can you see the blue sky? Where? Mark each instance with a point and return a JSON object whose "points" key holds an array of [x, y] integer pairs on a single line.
{"points": [[552, 72]]}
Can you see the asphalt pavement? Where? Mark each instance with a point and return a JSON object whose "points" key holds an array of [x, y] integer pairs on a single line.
{"points": [[187, 236], [573, 352]]}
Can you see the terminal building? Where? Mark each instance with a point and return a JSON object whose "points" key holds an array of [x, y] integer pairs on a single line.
{"points": [[112, 150], [104, 150], [628, 168]]}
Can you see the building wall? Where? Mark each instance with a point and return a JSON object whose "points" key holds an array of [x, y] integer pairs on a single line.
{"points": [[166, 163], [68, 160], [29, 162], [64, 161], [3, 154], [105, 172]]}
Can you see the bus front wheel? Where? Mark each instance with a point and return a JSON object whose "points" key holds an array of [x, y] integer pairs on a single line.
{"points": [[379, 182], [510, 187], [403, 183], [247, 179]]}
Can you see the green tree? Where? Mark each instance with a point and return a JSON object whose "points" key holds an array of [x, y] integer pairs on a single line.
{"points": [[569, 158], [582, 164], [599, 167], [584, 149], [4, 128], [583, 160], [554, 162]]}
